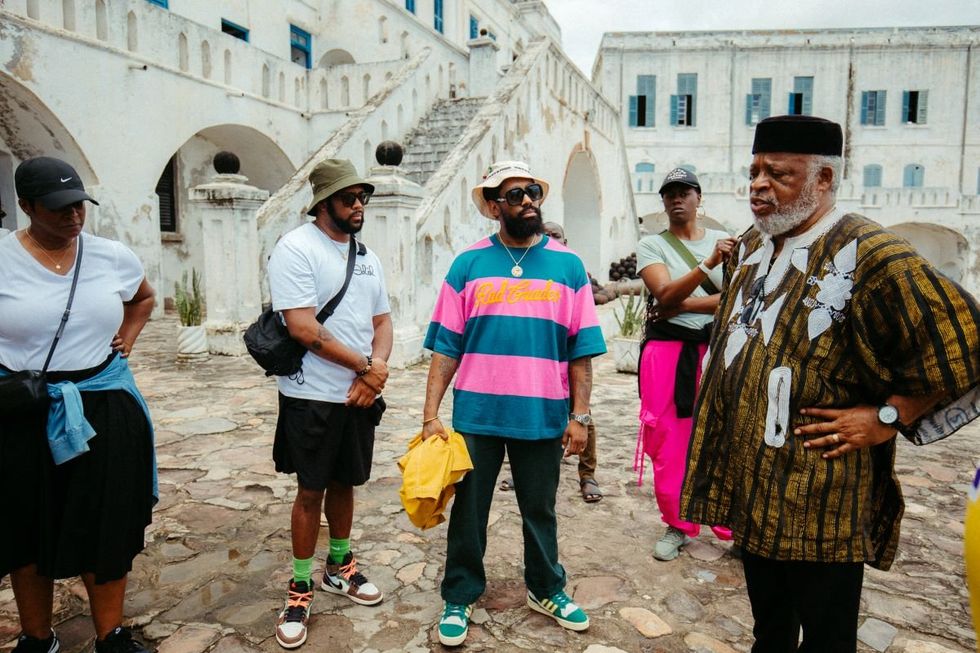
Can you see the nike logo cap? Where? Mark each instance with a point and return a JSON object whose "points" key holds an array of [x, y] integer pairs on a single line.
{"points": [[50, 181]]}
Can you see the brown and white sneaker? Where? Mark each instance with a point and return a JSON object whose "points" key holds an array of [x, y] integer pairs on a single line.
{"points": [[291, 626], [346, 580]]}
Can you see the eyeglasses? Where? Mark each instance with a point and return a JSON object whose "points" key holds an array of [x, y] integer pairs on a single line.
{"points": [[348, 199], [752, 308], [515, 196]]}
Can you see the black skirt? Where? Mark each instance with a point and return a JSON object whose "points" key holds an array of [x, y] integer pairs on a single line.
{"points": [[87, 515]]}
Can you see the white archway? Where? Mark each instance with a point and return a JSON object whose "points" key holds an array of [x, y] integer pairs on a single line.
{"points": [[583, 209], [945, 248], [335, 57]]}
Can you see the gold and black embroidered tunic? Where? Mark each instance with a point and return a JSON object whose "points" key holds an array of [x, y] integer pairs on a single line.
{"points": [[846, 314]]}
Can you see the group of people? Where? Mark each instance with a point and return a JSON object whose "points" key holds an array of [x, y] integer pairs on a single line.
{"points": [[776, 370]]}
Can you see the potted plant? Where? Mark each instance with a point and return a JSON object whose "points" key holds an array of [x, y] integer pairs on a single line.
{"points": [[626, 344], [192, 339]]}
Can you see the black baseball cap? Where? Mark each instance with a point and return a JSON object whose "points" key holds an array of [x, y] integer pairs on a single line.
{"points": [[51, 181], [681, 176]]}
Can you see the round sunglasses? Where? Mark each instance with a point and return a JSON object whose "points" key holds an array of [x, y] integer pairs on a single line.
{"points": [[515, 196]]}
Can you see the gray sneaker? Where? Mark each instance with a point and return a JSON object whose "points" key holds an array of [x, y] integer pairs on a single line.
{"points": [[669, 546]]}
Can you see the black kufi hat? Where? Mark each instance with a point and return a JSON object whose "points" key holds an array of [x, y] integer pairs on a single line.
{"points": [[798, 135]]}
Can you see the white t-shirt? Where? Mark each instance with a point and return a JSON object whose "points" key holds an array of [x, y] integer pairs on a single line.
{"points": [[33, 299], [307, 268], [654, 249]]}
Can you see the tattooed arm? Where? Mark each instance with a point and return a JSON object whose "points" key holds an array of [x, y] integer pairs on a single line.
{"points": [[580, 382], [304, 329], [441, 371]]}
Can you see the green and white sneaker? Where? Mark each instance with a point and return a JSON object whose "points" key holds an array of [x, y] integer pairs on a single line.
{"points": [[559, 606], [454, 624]]}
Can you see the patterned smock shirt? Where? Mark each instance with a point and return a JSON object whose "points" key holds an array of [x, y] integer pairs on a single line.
{"points": [[847, 314]]}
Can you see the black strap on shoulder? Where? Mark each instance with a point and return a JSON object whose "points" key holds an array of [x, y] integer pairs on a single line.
{"points": [[355, 249], [71, 298], [707, 285]]}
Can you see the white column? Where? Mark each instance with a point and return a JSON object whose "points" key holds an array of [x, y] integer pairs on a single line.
{"points": [[228, 206], [483, 66]]}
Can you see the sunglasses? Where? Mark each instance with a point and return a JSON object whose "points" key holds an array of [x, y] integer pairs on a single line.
{"points": [[348, 199], [515, 196], [752, 307]]}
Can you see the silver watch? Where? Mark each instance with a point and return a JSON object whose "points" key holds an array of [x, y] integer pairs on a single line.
{"points": [[584, 419]]}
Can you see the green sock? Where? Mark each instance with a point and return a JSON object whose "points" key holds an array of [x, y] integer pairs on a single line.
{"points": [[338, 549], [302, 570]]}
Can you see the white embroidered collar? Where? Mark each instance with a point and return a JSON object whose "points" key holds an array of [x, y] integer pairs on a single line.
{"points": [[795, 250]]}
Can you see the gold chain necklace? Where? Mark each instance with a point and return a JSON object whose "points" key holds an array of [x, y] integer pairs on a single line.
{"points": [[517, 270], [57, 263]]}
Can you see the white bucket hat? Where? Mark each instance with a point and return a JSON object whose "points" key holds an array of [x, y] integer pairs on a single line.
{"points": [[498, 173]]}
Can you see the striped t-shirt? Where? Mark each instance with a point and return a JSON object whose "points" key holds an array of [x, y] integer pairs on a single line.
{"points": [[514, 336]]}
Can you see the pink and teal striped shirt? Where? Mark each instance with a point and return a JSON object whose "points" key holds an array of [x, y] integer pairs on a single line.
{"points": [[513, 337]]}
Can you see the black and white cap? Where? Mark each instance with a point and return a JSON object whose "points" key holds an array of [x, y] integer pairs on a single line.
{"points": [[681, 176], [50, 181]]}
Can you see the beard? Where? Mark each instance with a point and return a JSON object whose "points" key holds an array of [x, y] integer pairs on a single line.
{"points": [[344, 225], [788, 217], [520, 228]]}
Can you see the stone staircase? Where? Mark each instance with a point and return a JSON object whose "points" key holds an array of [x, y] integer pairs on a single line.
{"points": [[428, 144]]}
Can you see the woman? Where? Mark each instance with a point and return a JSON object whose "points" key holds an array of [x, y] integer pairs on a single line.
{"points": [[680, 267], [78, 509]]}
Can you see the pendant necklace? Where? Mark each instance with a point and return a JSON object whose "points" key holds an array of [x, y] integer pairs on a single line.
{"points": [[56, 263], [517, 270]]}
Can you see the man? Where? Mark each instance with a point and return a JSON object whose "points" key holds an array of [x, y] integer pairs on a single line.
{"points": [[587, 484], [681, 269], [515, 318], [327, 412], [833, 335]]}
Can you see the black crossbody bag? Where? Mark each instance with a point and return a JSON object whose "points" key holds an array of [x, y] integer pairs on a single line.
{"points": [[268, 341], [26, 392]]}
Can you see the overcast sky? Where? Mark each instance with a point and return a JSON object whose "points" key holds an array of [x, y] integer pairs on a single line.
{"points": [[583, 21]]}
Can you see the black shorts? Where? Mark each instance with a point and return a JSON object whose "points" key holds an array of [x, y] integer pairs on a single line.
{"points": [[322, 442]]}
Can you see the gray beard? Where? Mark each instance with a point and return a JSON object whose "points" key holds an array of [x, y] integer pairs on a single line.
{"points": [[786, 218]]}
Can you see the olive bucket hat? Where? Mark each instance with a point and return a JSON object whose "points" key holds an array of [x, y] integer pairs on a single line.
{"points": [[333, 175]]}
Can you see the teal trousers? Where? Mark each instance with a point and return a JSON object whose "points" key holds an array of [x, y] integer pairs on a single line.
{"points": [[535, 465]]}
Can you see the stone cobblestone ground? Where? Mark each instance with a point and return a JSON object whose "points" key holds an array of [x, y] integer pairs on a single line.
{"points": [[218, 557]]}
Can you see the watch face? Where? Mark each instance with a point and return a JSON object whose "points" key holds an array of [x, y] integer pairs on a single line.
{"points": [[887, 414], [584, 420]]}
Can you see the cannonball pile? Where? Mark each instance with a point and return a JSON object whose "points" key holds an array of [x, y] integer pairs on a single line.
{"points": [[600, 294], [625, 268]]}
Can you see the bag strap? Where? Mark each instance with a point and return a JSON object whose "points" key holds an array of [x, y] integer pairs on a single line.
{"points": [[331, 306], [71, 298], [707, 285]]}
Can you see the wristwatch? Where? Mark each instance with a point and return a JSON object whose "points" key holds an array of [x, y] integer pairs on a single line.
{"points": [[888, 415], [584, 419]]}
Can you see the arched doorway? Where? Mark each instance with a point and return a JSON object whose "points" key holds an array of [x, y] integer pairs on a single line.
{"points": [[336, 57], [28, 129], [583, 208], [262, 161], [945, 248]]}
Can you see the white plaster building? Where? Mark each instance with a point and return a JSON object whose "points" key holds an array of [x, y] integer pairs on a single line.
{"points": [[907, 98], [139, 95]]}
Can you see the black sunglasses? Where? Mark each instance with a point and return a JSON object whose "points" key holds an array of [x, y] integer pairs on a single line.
{"points": [[515, 196], [348, 199], [752, 307]]}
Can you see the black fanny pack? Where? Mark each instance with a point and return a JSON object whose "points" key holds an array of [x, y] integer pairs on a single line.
{"points": [[268, 341]]}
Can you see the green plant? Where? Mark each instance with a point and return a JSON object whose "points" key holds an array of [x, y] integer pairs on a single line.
{"points": [[189, 300], [634, 312]]}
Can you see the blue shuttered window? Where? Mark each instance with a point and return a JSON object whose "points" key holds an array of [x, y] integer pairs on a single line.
{"points": [[300, 47], [474, 27], [683, 106], [872, 176], [160, 3], [437, 21], [801, 99], [758, 102], [410, 5], [914, 104], [914, 176], [873, 108], [644, 173], [232, 29], [641, 105]]}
